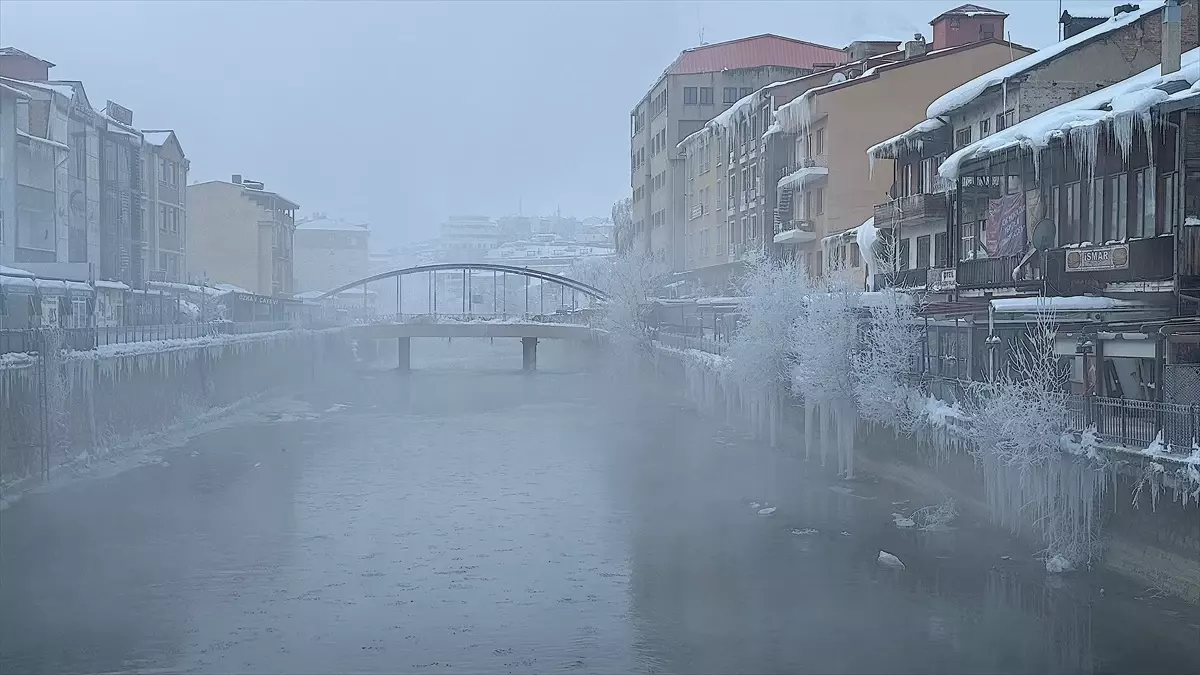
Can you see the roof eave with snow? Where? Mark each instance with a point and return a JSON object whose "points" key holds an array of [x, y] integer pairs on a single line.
{"points": [[967, 93]]}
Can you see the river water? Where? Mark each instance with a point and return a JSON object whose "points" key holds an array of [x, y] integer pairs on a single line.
{"points": [[472, 518]]}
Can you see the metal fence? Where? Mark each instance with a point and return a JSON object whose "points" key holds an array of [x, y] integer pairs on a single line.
{"points": [[26, 340], [691, 342]]}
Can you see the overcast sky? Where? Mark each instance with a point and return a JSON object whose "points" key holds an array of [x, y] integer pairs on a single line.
{"points": [[399, 113]]}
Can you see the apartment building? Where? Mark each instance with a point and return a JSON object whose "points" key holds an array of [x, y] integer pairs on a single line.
{"points": [[242, 234], [700, 84], [79, 189], [729, 200], [974, 260], [827, 187], [467, 238], [330, 252], [9, 96], [166, 170]]}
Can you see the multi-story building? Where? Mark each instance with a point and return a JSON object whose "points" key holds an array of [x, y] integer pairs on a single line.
{"points": [[122, 190], [467, 238], [827, 186], [9, 96], [330, 252], [165, 196], [975, 261], [39, 228], [697, 86], [515, 228], [240, 233]]}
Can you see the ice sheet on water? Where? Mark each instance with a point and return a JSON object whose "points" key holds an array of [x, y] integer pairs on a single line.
{"points": [[767, 511], [888, 560]]}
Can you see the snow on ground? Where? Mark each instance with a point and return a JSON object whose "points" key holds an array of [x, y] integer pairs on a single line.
{"points": [[966, 93]]}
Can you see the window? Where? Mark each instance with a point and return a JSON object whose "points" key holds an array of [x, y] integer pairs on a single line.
{"points": [[1170, 193], [706, 95], [162, 262], [819, 200], [690, 96], [923, 252], [987, 31], [985, 128], [732, 232], [940, 258], [1118, 199], [745, 91], [1143, 200], [730, 95], [720, 194], [1096, 212], [1071, 230], [962, 137], [902, 254], [162, 219], [855, 258]]}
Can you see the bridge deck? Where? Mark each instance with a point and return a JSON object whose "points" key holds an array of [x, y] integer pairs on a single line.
{"points": [[547, 331]]}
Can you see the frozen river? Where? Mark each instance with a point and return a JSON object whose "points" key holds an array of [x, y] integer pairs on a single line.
{"points": [[471, 518]]}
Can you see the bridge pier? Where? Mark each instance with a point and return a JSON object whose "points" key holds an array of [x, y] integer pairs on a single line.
{"points": [[529, 354], [404, 354]]}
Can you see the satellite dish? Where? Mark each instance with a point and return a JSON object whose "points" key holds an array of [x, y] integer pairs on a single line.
{"points": [[1044, 234], [837, 77]]}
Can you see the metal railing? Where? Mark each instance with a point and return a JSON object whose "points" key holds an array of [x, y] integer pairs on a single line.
{"points": [[80, 339], [690, 342]]}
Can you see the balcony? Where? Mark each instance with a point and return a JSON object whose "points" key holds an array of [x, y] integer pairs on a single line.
{"points": [[911, 210], [988, 272], [796, 232], [904, 279], [1081, 270]]}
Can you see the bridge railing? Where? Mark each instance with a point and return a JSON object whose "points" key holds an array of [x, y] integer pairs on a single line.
{"points": [[577, 318]]}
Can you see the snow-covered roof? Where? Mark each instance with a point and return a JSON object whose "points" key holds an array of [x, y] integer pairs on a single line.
{"points": [[1080, 120], [729, 118], [39, 139], [910, 139], [63, 89], [156, 137], [966, 93], [232, 288], [189, 288], [1075, 302], [19, 93], [114, 285], [309, 295], [802, 175], [322, 223], [14, 272], [721, 300]]}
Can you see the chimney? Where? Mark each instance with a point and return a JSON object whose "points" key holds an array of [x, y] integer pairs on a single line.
{"points": [[1171, 38], [237, 179], [914, 47]]}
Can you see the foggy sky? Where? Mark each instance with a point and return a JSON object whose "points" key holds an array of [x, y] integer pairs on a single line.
{"points": [[400, 113]]}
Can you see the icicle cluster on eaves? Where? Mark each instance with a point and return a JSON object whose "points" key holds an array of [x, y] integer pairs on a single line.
{"points": [[1121, 107]]}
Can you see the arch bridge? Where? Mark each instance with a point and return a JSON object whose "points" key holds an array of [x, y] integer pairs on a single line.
{"points": [[529, 332]]}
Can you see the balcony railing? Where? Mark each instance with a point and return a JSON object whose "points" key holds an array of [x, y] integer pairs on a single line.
{"points": [[913, 278], [911, 210], [988, 272], [1080, 270]]}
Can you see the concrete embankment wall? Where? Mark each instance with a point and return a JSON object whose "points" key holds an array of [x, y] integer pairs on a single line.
{"points": [[1156, 543], [59, 407]]}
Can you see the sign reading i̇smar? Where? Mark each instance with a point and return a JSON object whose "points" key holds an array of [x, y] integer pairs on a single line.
{"points": [[1098, 258]]}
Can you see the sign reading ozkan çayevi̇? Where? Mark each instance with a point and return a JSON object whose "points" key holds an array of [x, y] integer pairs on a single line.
{"points": [[1098, 258]]}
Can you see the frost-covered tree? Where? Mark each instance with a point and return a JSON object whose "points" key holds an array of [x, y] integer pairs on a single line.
{"points": [[629, 281], [775, 291], [760, 355], [1017, 423], [887, 357], [822, 342]]}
